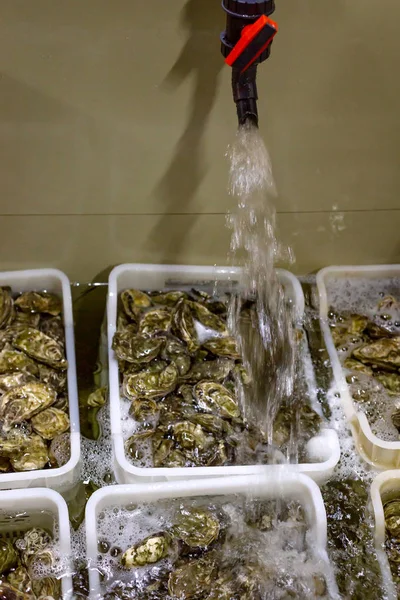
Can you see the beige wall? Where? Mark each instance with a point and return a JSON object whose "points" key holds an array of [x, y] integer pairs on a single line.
{"points": [[115, 116]]}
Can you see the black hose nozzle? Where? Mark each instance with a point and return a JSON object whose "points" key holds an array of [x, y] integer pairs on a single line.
{"points": [[244, 89]]}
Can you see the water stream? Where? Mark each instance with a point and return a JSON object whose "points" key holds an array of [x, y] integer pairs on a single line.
{"points": [[265, 333]]}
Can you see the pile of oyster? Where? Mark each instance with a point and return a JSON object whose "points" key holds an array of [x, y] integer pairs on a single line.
{"points": [[220, 553], [33, 381], [370, 350], [391, 511], [181, 370], [20, 559]]}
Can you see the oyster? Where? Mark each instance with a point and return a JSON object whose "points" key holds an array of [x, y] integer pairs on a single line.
{"points": [[19, 579], [12, 380], [54, 328], [147, 552], [183, 325], [33, 456], [188, 435], [12, 360], [97, 399], [23, 319], [155, 321], [56, 378], [60, 450], [217, 370], [356, 365], [136, 349], [214, 397], [193, 578], [47, 587], [134, 442], [25, 401], [39, 302], [387, 303], [5, 465], [162, 448], [207, 318], [175, 351], [33, 541], [391, 381], [133, 302], [392, 517], [50, 422], [8, 556], [196, 527], [225, 347], [384, 353], [41, 347], [376, 331], [9, 592], [175, 408], [174, 459], [143, 410], [213, 424], [167, 298], [150, 384], [6, 307]]}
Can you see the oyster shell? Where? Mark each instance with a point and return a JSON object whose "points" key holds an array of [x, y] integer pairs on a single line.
{"points": [[20, 580], [33, 456], [193, 579], [47, 588], [174, 459], [225, 347], [356, 365], [25, 401], [391, 381], [137, 348], [98, 398], [162, 448], [134, 442], [213, 424], [60, 450], [134, 301], [151, 384], [147, 552], [39, 302], [207, 318], [217, 370], [183, 325], [54, 328], [12, 360], [9, 592], [34, 540], [12, 380], [155, 321], [6, 307], [5, 465], [384, 353], [8, 556], [189, 435], [143, 410], [216, 398], [196, 527], [41, 347], [50, 422], [392, 517], [175, 351], [167, 298], [55, 378], [23, 319]]}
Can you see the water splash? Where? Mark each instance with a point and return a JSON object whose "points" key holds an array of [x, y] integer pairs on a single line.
{"points": [[259, 314]]}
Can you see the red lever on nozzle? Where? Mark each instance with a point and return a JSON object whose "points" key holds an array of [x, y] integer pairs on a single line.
{"points": [[254, 40]]}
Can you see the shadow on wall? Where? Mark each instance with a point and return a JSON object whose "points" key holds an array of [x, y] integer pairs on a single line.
{"points": [[200, 60]]}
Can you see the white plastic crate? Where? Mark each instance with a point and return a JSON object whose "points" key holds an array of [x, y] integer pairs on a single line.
{"points": [[280, 484], [61, 478], [325, 446], [378, 452], [38, 507], [384, 487]]}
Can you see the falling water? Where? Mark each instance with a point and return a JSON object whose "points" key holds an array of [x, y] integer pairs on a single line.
{"points": [[259, 314]]}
